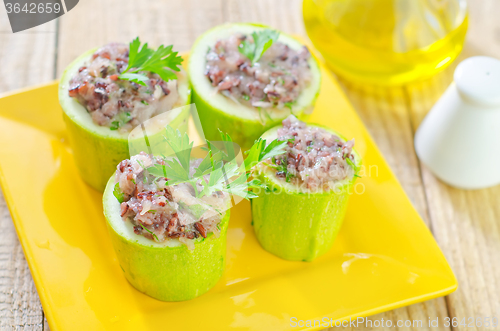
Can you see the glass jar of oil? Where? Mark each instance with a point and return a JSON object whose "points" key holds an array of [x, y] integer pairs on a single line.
{"points": [[387, 42]]}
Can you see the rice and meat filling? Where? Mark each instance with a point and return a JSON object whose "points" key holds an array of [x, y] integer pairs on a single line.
{"points": [[116, 103], [160, 212], [276, 80], [315, 159]]}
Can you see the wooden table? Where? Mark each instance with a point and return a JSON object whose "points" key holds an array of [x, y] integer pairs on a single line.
{"points": [[466, 224]]}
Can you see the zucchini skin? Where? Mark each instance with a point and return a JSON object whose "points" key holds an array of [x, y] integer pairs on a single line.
{"points": [[169, 273], [298, 226], [97, 155], [294, 225], [242, 131]]}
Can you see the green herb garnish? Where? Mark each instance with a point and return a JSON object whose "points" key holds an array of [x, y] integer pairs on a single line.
{"points": [[289, 104], [349, 162], [260, 152], [219, 165], [154, 235], [261, 42], [355, 167], [144, 102], [309, 147], [119, 195], [216, 171], [177, 168], [245, 97], [142, 58], [122, 119]]}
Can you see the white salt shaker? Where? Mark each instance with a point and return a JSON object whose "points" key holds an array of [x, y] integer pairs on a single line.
{"points": [[459, 140]]}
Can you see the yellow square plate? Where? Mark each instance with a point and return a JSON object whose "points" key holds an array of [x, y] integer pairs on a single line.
{"points": [[384, 257]]}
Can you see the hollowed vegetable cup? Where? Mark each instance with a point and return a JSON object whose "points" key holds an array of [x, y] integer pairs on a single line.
{"points": [[98, 149], [246, 107], [294, 222]]}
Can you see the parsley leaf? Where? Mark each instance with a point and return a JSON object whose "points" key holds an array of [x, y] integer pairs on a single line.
{"points": [[242, 188], [114, 125], [261, 42], [119, 195], [260, 152], [176, 172], [204, 167], [216, 155], [247, 49], [163, 62], [219, 178], [121, 119], [180, 145], [157, 170], [228, 147], [136, 78], [177, 168], [160, 60], [138, 56], [219, 170]]}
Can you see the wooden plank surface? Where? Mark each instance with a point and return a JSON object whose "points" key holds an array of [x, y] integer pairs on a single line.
{"points": [[27, 58], [465, 224]]}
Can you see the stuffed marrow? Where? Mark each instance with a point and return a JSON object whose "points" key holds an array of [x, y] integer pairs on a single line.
{"points": [[300, 213], [244, 86], [101, 104], [170, 244]]}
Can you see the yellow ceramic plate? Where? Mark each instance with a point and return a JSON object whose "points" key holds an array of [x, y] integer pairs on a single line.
{"points": [[384, 257]]}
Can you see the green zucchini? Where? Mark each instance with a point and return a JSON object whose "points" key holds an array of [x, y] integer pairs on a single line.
{"points": [[166, 271], [294, 224], [242, 123], [97, 149]]}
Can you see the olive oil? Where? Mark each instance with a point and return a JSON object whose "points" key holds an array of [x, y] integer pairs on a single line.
{"points": [[386, 42]]}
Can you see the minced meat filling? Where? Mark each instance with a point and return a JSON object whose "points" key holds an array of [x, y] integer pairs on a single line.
{"points": [[315, 159], [276, 80], [119, 104], [160, 212]]}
